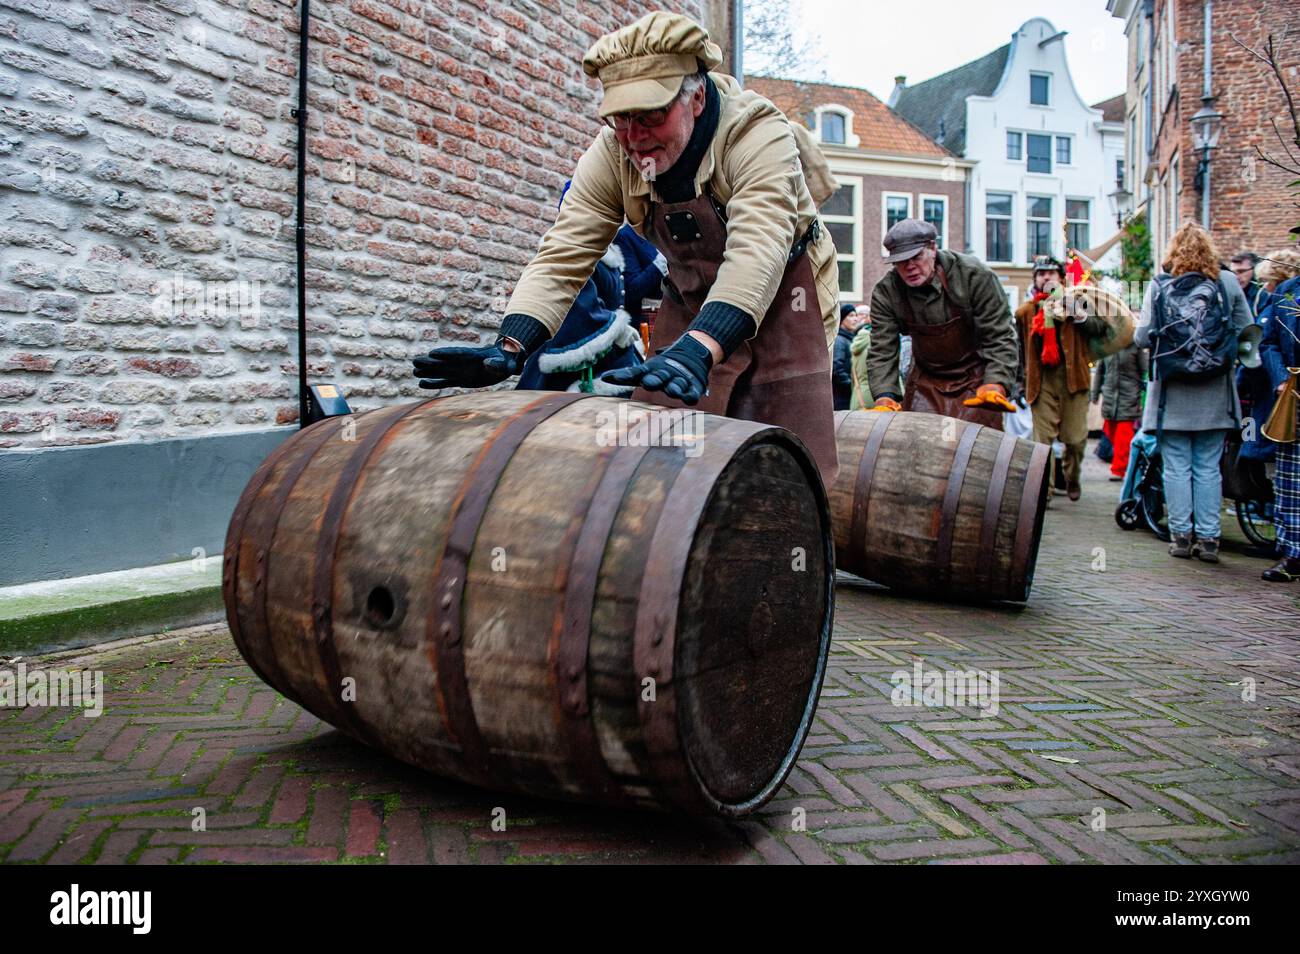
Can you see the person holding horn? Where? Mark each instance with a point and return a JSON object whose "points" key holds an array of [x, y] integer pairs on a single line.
{"points": [[1057, 377]]}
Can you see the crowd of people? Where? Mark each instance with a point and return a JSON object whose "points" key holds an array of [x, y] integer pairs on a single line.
{"points": [[1179, 379], [686, 197]]}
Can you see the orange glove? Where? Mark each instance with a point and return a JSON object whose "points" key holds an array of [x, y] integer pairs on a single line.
{"points": [[886, 404], [990, 395]]}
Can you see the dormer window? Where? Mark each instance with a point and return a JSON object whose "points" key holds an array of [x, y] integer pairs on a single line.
{"points": [[833, 128], [833, 125]]}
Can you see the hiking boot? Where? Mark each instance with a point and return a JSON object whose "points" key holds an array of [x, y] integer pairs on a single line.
{"points": [[1181, 546], [1074, 491], [1287, 570], [1207, 550]]}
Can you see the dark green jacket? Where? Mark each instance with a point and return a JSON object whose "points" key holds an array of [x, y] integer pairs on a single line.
{"points": [[1119, 381], [974, 289]]}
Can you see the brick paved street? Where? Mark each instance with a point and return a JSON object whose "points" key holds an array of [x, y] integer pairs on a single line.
{"points": [[1121, 692]]}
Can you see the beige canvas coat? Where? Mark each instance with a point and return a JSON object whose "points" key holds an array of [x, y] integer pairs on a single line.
{"points": [[751, 167]]}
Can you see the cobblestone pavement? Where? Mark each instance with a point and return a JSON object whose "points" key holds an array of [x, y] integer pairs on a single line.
{"points": [[1125, 732]]}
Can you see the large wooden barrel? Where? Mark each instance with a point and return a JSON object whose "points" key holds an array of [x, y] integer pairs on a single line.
{"points": [[511, 589], [938, 507]]}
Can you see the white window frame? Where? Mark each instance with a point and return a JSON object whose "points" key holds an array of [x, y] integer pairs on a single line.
{"points": [[1051, 154], [1176, 197], [1020, 136], [1056, 149], [1010, 219], [1030, 253], [855, 219], [1050, 84], [851, 141], [1086, 221], [921, 199], [884, 218]]}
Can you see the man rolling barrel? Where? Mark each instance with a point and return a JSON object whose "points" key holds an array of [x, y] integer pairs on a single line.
{"points": [[712, 176], [964, 352]]}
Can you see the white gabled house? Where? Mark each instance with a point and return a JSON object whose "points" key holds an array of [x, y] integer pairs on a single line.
{"points": [[1046, 161]]}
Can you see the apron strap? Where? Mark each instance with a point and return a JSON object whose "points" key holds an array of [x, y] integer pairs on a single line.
{"points": [[953, 310]]}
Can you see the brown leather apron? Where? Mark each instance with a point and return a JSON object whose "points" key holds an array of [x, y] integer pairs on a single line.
{"points": [[782, 375], [946, 365]]}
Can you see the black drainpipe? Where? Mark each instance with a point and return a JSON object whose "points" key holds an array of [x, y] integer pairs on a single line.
{"points": [[300, 231]]}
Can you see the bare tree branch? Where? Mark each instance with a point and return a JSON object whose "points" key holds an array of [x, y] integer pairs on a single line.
{"points": [[1271, 61], [1285, 147], [1273, 162], [771, 48]]}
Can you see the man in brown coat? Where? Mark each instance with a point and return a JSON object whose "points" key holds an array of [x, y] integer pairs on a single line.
{"points": [[1057, 377]]}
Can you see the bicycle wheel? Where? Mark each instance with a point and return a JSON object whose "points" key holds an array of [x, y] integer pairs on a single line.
{"points": [[1256, 522]]}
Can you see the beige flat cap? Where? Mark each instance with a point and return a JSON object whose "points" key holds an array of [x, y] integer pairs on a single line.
{"points": [[642, 66]]}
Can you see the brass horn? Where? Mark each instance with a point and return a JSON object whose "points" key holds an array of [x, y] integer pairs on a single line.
{"points": [[1280, 426]]}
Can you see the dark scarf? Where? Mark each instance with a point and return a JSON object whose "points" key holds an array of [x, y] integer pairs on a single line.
{"points": [[678, 183]]}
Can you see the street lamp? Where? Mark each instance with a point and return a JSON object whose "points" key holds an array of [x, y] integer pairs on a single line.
{"points": [[1119, 200], [1206, 126]]}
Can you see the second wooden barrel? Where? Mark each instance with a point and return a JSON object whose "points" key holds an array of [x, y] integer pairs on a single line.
{"points": [[936, 506], [547, 593]]}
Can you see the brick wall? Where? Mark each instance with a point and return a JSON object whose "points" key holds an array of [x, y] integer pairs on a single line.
{"points": [[1250, 205], [147, 189]]}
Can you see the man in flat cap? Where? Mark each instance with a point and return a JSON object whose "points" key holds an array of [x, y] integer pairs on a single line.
{"points": [[712, 176], [965, 357]]}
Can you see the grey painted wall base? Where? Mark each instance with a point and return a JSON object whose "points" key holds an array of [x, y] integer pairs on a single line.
{"points": [[106, 622], [74, 511]]}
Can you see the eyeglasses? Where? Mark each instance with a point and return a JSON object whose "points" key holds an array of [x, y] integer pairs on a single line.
{"points": [[649, 119]]}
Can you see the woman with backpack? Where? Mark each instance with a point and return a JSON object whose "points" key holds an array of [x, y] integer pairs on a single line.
{"points": [[1191, 317]]}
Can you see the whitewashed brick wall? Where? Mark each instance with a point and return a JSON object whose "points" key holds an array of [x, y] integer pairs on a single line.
{"points": [[147, 189]]}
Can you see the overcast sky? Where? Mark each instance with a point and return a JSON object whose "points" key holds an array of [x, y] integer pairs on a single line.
{"points": [[868, 42]]}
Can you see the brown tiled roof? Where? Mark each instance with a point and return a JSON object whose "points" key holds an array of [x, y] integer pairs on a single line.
{"points": [[878, 128], [1112, 110]]}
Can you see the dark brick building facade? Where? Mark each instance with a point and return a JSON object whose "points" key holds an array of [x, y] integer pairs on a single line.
{"points": [[1250, 205]]}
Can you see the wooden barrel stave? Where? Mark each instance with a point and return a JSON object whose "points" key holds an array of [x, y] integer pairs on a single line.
{"points": [[535, 738], [613, 683], [388, 653]]}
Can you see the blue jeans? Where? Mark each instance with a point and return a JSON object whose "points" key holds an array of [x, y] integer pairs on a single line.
{"points": [[1193, 487]]}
